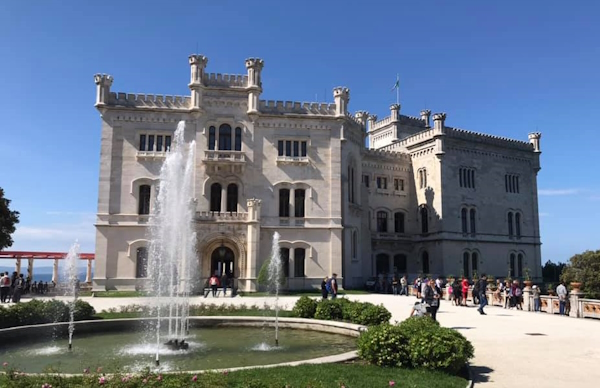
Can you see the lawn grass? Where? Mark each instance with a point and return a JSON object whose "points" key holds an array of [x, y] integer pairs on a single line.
{"points": [[348, 375], [301, 293], [224, 313]]}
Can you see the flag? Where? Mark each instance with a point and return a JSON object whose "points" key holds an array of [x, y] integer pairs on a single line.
{"points": [[396, 85]]}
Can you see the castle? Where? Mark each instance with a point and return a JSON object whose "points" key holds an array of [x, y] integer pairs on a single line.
{"points": [[422, 198]]}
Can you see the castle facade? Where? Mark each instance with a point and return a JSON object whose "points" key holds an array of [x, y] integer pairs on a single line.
{"points": [[424, 197]]}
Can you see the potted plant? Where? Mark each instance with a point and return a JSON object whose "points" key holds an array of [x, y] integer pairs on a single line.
{"points": [[491, 283], [527, 281], [450, 279], [550, 289]]}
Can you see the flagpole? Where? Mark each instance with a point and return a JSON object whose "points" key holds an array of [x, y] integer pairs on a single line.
{"points": [[397, 88]]}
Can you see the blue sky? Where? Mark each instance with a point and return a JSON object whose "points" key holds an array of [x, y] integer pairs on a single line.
{"points": [[505, 68]]}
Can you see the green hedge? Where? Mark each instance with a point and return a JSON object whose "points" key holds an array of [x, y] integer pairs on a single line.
{"points": [[36, 312], [342, 309], [418, 342]]}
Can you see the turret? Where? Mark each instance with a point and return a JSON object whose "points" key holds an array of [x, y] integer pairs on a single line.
{"points": [[361, 117], [197, 66], [534, 139], [425, 114], [372, 119], [395, 112], [341, 97], [438, 123], [254, 87], [103, 83]]}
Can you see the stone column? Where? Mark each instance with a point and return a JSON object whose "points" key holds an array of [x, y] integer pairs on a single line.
{"points": [[88, 274], [527, 302], [55, 272], [30, 268], [18, 265], [574, 297], [292, 202], [224, 198], [251, 270]]}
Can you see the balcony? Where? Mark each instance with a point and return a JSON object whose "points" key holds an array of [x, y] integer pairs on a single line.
{"points": [[390, 236], [225, 161], [150, 155], [221, 216], [292, 160]]}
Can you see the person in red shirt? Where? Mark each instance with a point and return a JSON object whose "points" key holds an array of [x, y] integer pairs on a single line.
{"points": [[214, 284], [465, 290]]}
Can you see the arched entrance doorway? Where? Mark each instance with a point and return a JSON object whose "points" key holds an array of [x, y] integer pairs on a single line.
{"points": [[222, 261]]}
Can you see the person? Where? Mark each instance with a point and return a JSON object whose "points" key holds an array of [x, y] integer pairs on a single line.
{"points": [[333, 286], [395, 285], [507, 294], [324, 292], [465, 290], [404, 285], [224, 281], [431, 296], [214, 284], [498, 292], [481, 289], [419, 309], [475, 291], [417, 286], [457, 293], [535, 291], [4, 287], [518, 296], [19, 286], [561, 291]]}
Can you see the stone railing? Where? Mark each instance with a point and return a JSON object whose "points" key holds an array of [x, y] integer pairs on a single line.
{"points": [[224, 156], [221, 216]]}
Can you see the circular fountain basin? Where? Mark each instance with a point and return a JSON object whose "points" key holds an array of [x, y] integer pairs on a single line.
{"points": [[129, 345]]}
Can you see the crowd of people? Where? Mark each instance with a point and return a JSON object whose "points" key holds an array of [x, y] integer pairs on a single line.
{"points": [[12, 287]]}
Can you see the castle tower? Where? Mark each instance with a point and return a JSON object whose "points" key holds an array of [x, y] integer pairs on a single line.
{"points": [[254, 87], [197, 66], [341, 96], [395, 112], [103, 83], [361, 116], [425, 114], [534, 139], [438, 133]]}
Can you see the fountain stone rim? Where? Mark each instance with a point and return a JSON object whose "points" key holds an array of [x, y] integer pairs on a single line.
{"points": [[333, 327]]}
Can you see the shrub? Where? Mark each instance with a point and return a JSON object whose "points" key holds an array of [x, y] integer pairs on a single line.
{"points": [[330, 310], [305, 307], [35, 312], [83, 311], [370, 314], [384, 345], [351, 311]]}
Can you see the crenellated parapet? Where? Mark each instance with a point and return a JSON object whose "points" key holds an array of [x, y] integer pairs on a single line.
{"points": [[294, 107], [388, 154], [226, 80], [103, 84], [488, 139], [149, 101]]}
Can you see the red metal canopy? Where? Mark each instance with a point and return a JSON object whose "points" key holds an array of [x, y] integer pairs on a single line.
{"points": [[41, 255]]}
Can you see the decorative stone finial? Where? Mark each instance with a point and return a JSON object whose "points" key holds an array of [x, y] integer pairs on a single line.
{"points": [[439, 117], [438, 123], [254, 63], [341, 91], [395, 107]]}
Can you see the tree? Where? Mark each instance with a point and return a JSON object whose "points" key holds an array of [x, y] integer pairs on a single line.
{"points": [[584, 268], [551, 271], [8, 220]]}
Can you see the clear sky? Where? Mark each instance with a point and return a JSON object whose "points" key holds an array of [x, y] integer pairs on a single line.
{"points": [[502, 67]]}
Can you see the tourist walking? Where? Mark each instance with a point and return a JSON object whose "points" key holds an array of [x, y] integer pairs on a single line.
{"points": [[518, 295], [4, 287], [395, 285], [535, 292], [224, 281], [431, 296], [561, 291], [333, 286], [465, 290], [481, 288], [404, 285], [214, 284], [324, 292]]}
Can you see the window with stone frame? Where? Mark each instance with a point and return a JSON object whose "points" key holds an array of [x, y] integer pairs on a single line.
{"points": [[299, 202], [141, 262], [511, 183], [398, 184], [284, 202], [382, 221], [144, 199], [292, 148], [284, 254], [466, 177], [422, 177], [224, 138], [154, 142], [399, 222], [215, 197], [381, 182], [299, 262], [366, 180], [424, 214], [232, 198]]}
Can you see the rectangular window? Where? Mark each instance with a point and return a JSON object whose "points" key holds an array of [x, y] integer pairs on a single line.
{"points": [[299, 265], [280, 148], [296, 149], [167, 143], [150, 142], [511, 183], [366, 180], [159, 143], [399, 222], [284, 253], [382, 182], [466, 177], [303, 149], [292, 148], [142, 142], [238, 139], [299, 195], [398, 184], [284, 202], [211, 138], [288, 148]]}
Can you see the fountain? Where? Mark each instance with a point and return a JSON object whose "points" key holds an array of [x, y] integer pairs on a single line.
{"points": [[70, 275], [275, 274], [173, 241]]}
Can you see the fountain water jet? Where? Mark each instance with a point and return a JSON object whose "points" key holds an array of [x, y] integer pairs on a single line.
{"points": [[275, 275], [173, 240], [70, 273]]}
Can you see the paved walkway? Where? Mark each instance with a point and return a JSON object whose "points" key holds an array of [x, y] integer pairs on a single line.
{"points": [[566, 354]]}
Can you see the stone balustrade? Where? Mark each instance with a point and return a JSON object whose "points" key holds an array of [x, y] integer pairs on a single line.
{"points": [[221, 216]]}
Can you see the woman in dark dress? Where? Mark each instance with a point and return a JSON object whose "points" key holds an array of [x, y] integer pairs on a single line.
{"points": [[324, 291]]}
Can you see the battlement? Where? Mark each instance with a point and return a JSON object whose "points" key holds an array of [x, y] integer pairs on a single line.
{"points": [[417, 138], [149, 101], [404, 120], [294, 107], [489, 139], [387, 153], [226, 80]]}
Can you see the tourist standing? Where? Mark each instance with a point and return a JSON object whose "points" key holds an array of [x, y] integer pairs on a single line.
{"points": [[395, 285], [535, 291], [561, 291], [431, 296], [224, 281], [334, 286], [482, 285], [214, 284], [324, 292], [465, 290], [19, 286], [4, 287], [404, 285]]}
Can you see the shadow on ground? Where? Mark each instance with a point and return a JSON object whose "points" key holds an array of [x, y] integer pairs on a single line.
{"points": [[480, 374]]}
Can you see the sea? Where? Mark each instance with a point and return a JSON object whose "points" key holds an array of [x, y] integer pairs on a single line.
{"points": [[43, 274]]}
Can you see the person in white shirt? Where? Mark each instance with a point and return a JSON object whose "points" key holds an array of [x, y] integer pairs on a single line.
{"points": [[561, 291], [4, 287]]}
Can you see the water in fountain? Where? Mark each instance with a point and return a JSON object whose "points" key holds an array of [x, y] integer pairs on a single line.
{"points": [[173, 240], [72, 290], [275, 274]]}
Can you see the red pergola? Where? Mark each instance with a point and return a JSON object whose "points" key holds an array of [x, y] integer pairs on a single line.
{"points": [[41, 255]]}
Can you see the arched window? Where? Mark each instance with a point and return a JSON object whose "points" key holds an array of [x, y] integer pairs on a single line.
{"points": [[284, 202], [382, 221], [463, 218], [382, 263], [399, 222], [510, 224], [141, 263], [284, 253], [215, 197], [299, 265], [354, 244], [425, 262], [520, 264], [225, 137], [299, 196], [211, 138], [472, 217], [466, 266], [238, 139], [232, 198], [513, 269], [400, 264], [518, 224], [424, 219], [144, 200], [474, 261], [351, 188]]}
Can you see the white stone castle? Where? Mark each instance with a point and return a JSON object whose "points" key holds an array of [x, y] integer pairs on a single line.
{"points": [[421, 199]]}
